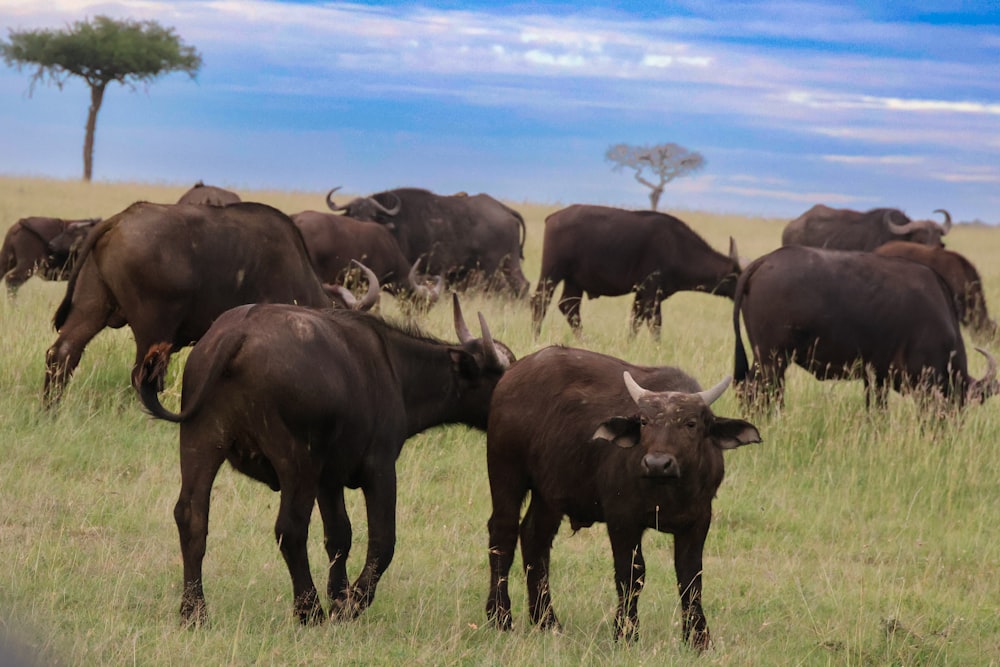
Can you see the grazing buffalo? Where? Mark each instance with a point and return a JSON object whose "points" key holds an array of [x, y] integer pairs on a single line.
{"points": [[46, 246], [601, 251], [844, 229], [208, 195], [310, 402], [168, 270], [469, 239], [334, 240], [634, 447], [959, 274], [843, 315]]}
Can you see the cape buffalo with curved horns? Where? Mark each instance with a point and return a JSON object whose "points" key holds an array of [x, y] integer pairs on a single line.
{"points": [[43, 246], [209, 195], [636, 454], [465, 238], [959, 274], [333, 241], [844, 229], [349, 390], [842, 315], [602, 251], [168, 270]]}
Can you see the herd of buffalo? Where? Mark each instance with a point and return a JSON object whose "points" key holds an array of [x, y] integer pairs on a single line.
{"points": [[869, 295]]}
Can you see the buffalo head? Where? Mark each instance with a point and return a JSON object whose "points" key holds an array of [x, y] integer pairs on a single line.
{"points": [[673, 428], [367, 209], [927, 232]]}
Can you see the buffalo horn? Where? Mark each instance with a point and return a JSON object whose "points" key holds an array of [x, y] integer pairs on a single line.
{"points": [[422, 291], [464, 335], [634, 390], [711, 395], [332, 204], [371, 297], [947, 220], [490, 347], [903, 229], [388, 211], [984, 387]]}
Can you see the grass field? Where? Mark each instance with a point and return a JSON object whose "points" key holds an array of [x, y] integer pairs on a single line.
{"points": [[845, 538]]}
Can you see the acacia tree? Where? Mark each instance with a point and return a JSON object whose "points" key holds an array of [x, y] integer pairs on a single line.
{"points": [[99, 51], [665, 162]]}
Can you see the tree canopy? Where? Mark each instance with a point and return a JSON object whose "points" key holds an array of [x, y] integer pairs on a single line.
{"points": [[665, 162], [100, 51]]}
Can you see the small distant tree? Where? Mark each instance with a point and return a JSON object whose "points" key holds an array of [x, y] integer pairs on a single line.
{"points": [[664, 163], [99, 51]]}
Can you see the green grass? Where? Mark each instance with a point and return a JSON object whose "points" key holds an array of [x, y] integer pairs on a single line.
{"points": [[846, 538]]}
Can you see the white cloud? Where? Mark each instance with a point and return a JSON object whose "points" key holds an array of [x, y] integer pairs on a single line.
{"points": [[875, 159]]}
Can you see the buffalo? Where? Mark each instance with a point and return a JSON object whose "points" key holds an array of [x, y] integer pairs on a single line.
{"points": [[334, 240], [168, 270], [469, 239], [842, 315], [602, 251], [349, 390], [844, 229], [959, 274], [634, 447], [208, 195], [46, 246]]}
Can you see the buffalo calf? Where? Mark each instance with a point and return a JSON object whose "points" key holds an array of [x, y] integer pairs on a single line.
{"points": [[634, 447]]}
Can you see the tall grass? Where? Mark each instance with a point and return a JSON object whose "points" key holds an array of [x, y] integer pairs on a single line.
{"points": [[846, 538]]}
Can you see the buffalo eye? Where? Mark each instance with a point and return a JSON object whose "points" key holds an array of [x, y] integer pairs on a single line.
{"points": [[643, 421], [691, 423]]}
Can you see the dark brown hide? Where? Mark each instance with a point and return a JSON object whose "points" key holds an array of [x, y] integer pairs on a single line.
{"points": [[592, 453], [958, 273], [334, 240], [842, 315], [601, 251], [844, 229], [469, 239], [168, 271], [209, 195], [311, 402], [45, 246]]}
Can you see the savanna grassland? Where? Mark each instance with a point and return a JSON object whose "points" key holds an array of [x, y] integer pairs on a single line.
{"points": [[845, 538]]}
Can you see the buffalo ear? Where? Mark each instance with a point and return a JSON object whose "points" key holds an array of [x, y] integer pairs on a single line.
{"points": [[733, 433], [622, 431], [465, 364]]}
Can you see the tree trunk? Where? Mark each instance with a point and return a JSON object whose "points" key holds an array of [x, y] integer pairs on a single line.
{"points": [[96, 97], [654, 197]]}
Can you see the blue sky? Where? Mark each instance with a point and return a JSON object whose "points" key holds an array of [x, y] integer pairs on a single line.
{"points": [[792, 103]]}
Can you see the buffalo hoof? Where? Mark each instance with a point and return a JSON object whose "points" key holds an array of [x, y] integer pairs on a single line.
{"points": [[194, 614], [550, 623], [627, 631], [308, 609], [500, 619], [345, 608]]}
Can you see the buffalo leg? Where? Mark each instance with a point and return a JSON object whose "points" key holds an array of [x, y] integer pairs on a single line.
{"points": [[540, 303], [199, 466], [630, 576], [64, 356], [298, 494], [507, 498], [538, 529], [380, 505], [92, 309], [337, 537], [688, 548], [569, 305]]}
